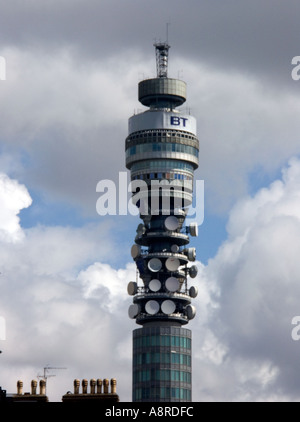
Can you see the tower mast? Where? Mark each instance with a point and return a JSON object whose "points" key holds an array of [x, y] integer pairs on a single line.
{"points": [[162, 153]]}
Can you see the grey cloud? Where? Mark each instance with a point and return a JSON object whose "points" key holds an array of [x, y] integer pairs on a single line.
{"points": [[258, 37], [70, 119], [72, 76]]}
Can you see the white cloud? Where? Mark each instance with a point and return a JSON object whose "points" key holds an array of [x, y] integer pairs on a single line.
{"points": [[13, 198], [95, 278], [53, 299], [256, 278], [52, 318]]}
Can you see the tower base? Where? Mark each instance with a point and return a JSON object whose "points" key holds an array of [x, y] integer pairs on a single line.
{"points": [[162, 367]]}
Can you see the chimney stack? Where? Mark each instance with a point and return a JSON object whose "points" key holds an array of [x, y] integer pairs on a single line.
{"points": [[99, 390]]}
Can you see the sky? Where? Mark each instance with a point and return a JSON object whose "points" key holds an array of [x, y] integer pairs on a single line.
{"points": [[72, 69]]}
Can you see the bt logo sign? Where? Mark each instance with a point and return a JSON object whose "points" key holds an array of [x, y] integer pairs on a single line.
{"points": [[176, 121]]}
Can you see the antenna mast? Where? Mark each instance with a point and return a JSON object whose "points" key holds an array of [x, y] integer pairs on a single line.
{"points": [[167, 25], [162, 53]]}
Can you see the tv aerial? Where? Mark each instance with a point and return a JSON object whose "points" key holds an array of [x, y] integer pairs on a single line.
{"points": [[46, 374]]}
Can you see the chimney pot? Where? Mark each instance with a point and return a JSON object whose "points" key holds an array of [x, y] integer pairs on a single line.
{"points": [[106, 385], [42, 387], [99, 386], [84, 386], [113, 383], [33, 386], [76, 386], [93, 386], [20, 387]]}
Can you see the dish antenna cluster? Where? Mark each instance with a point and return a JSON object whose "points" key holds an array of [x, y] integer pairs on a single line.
{"points": [[163, 267]]}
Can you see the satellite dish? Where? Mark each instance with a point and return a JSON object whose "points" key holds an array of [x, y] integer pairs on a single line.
{"points": [[135, 251], [172, 264], [172, 284], [133, 310], [193, 291], [132, 288], [174, 248], [191, 254], [193, 271], [141, 229], [152, 307], [193, 227], [154, 264], [171, 223], [154, 285], [168, 307], [190, 311]]}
